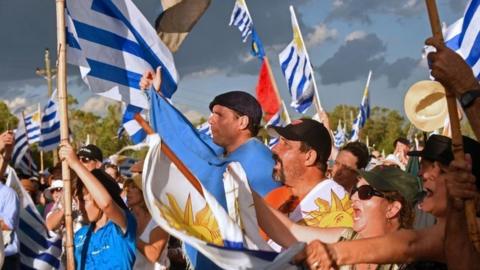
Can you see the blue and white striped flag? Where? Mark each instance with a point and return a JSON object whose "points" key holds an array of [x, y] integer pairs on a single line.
{"points": [[241, 18], [131, 126], [22, 156], [339, 138], [275, 121], [39, 249], [50, 125], [32, 123], [463, 36], [363, 112], [297, 69], [114, 44]]}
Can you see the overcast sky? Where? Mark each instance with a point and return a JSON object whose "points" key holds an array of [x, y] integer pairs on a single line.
{"points": [[345, 39]]}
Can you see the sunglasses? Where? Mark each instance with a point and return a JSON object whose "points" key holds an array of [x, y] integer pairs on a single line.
{"points": [[56, 189], [366, 192], [85, 159]]}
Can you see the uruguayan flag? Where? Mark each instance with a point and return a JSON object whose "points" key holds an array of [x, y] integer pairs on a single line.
{"points": [[114, 44], [297, 70], [463, 36], [186, 210], [50, 125], [275, 121], [39, 249], [131, 126], [363, 112], [32, 123], [339, 135], [22, 156], [241, 18]]}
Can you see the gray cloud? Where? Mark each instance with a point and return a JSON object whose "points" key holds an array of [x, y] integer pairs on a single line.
{"points": [[353, 60], [354, 10]]}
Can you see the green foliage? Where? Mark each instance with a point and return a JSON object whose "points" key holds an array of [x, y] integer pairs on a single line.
{"points": [[382, 128], [7, 120]]}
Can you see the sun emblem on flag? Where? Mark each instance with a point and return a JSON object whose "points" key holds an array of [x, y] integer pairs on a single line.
{"points": [[297, 38], [202, 224], [337, 213], [36, 117]]}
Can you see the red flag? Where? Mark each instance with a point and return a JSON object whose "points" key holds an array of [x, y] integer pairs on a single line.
{"points": [[266, 95]]}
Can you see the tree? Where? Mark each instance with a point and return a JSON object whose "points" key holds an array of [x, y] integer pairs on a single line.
{"points": [[382, 127], [7, 120]]}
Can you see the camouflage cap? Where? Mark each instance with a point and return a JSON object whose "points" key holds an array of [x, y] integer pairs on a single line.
{"points": [[389, 178]]}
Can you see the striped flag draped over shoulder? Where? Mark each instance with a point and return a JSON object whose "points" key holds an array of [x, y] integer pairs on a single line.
{"points": [[297, 69], [22, 156], [463, 36], [50, 127], [39, 249], [114, 44]]}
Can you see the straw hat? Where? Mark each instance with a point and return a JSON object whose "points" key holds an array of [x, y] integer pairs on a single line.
{"points": [[426, 106]]}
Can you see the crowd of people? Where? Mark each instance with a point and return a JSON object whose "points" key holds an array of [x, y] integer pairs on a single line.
{"points": [[354, 208]]}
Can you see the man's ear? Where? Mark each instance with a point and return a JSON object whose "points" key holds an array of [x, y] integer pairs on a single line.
{"points": [[244, 121], [393, 209], [311, 157]]}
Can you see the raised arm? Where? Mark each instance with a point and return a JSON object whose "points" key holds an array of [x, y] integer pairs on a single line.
{"points": [[98, 192], [456, 75], [7, 141], [402, 246]]}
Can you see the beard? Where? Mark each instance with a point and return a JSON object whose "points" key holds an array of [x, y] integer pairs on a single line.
{"points": [[278, 174]]}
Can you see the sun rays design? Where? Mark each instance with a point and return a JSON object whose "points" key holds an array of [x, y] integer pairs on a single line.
{"points": [[202, 225], [337, 213]]}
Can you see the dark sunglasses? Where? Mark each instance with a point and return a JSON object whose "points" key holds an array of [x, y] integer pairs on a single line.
{"points": [[56, 189], [85, 159], [366, 192]]}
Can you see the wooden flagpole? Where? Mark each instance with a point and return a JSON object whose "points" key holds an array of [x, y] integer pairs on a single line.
{"points": [[457, 141], [171, 155], [62, 99], [41, 151], [275, 88]]}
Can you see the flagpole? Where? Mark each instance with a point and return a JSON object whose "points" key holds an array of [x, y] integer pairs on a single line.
{"points": [[457, 140], [62, 99], [316, 97], [41, 151], [287, 116], [171, 156]]}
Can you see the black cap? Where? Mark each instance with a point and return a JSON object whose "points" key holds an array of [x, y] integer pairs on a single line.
{"points": [[90, 151], [312, 132], [241, 102], [439, 148]]}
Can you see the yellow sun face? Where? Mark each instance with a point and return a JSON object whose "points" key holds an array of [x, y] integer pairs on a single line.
{"points": [[203, 226], [337, 213]]}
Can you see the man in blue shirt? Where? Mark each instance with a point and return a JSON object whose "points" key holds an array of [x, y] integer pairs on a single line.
{"points": [[234, 122]]}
